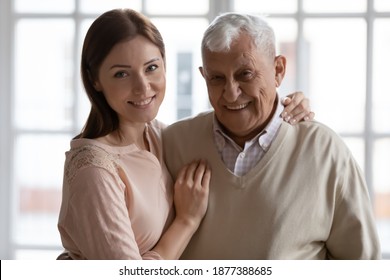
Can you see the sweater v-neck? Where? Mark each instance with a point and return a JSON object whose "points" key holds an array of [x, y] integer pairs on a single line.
{"points": [[258, 168]]}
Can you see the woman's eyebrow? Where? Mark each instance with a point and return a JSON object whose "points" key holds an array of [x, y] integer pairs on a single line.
{"points": [[120, 66], [152, 60], [129, 66]]}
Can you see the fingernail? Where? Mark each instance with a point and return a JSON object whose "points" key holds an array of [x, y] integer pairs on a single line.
{"points": [[287, 118], [293, 121]]}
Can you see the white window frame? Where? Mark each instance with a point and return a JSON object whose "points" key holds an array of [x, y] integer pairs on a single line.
{"points": [[8, 133], [5, 129]]}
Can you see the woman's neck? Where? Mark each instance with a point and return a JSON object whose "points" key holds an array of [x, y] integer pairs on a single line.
{"points": [[127, 134]]}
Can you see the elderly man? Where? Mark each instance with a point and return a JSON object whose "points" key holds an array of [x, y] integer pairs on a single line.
{"points": [[277, 191]]}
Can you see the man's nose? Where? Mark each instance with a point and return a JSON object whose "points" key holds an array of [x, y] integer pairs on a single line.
{"points": [[232, 91]]}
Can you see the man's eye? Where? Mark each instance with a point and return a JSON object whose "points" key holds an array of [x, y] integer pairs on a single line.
{"points": [[216, 78], [246, 75], [120, 74]]}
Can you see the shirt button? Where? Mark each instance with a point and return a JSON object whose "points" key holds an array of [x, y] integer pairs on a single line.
{"points": [[242, 155]]}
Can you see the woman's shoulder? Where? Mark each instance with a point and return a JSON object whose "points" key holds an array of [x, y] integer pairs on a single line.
{"points": [[90, 150], [86, 153]]}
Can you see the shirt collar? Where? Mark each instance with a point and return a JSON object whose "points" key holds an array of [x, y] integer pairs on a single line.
{"points": [[264, 138]]}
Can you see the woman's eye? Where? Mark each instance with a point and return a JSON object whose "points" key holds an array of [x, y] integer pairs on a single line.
{"points": [[120, 74], [152, 67]]}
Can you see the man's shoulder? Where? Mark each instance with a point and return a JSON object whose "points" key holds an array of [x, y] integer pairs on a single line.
{"points": [[316, 128], [193, 122], [317, 134]]}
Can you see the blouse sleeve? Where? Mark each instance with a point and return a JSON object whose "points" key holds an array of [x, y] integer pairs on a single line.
{"points": [[98, 219]]}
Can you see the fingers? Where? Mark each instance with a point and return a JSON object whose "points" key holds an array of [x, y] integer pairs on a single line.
{"points": [[198, 173], [202, 174], [310, 116], [190, 172], [195, 174], [295, 118], [206, 178], [191, 192], [297, 97], [297, 108]]}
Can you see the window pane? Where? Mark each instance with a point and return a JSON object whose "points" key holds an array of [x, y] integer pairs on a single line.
{"points": [[337, 71], [285, 35], [381, 85], [266, 6], [330, 6], [44, 6], [38, 173], [183, 60], [44, 74], [381, 166], [382, 190], [101, 6], [177, 7], [382, 5]]}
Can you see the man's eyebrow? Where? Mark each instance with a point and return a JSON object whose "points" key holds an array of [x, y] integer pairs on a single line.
{"points": [[129, 66]]}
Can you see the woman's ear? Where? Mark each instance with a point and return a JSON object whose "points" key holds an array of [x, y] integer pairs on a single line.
{"points": [[94, 82], [97, 86], [280, 69]]}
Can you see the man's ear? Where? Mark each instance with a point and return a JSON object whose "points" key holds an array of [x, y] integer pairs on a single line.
{"points": [[201, 71], [280, 69]]}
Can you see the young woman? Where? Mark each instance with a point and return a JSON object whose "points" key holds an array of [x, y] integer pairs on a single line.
{"points": [[119, 201]]}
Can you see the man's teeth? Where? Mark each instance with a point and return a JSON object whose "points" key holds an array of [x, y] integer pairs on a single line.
{"points": [[237, 107], [143, 102]]}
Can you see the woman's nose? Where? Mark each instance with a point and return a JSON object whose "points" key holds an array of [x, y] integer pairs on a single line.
{"points": [[141, 84]]}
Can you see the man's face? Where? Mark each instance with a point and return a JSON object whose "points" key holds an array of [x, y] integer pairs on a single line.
{"points": [[242, 85]]}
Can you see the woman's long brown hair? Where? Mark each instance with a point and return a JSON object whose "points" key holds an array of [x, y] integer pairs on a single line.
{"points": [[106, 31]]}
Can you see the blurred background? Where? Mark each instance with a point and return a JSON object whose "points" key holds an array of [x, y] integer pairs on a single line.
{"points": [[337, 54]]}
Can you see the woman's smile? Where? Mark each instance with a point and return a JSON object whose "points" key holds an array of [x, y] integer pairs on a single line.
{"points": [[142, 103]]}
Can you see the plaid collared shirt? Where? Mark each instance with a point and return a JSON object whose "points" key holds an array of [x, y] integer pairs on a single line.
{"points": [[242, 160]]}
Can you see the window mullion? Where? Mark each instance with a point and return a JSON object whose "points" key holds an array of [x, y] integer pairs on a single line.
{"points": [[301, 76], [218, 7], [6, 135], [76, 72], [368, 130]]}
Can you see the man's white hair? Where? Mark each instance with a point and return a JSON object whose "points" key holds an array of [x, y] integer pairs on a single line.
{"points": [[225, 28]]}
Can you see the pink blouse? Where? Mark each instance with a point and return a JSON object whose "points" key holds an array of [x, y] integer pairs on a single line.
{"points": [[116, 201]]}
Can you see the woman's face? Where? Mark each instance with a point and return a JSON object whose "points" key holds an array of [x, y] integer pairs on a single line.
{"points": [[132, 79]]}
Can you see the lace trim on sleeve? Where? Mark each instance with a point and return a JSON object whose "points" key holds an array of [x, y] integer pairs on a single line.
{"points": [[89, 155]]}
